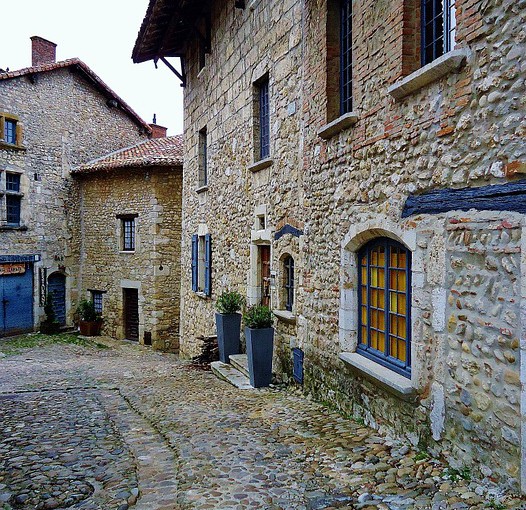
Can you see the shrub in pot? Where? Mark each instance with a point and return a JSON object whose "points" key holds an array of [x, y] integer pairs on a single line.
{"points": [[259, 335], [50, 325], [90, 321], [228, 324]]}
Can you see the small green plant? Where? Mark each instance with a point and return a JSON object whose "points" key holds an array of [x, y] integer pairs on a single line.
{"points": [[496, 505], [455, 474], [86, 311], [230, 302], [258, 317], [421, 455]]}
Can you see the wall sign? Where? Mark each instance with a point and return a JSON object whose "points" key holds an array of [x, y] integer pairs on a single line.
{"points": [[7, 269]]}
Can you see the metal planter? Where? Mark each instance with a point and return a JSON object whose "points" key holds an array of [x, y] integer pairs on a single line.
{"points": [[260, 347], [228, 332]]}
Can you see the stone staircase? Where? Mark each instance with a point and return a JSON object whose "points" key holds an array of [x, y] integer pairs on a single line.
{"points": [[235, 372]]}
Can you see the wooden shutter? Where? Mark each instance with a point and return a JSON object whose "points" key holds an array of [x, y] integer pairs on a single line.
{"points": [[208, 264], [194, 262]]}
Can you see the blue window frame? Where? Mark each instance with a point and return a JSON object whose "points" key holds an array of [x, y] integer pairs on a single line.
{"points": [[10, 131], [264, 119], [12, 182], [288, 264], [438, 28], [345, 56], [12, 203], [384, 304]]}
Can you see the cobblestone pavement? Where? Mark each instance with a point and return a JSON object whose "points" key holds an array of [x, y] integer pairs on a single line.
{"points": [[127, 427]]}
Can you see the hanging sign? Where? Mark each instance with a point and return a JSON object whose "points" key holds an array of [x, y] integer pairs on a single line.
{"points": [[7, 269]]}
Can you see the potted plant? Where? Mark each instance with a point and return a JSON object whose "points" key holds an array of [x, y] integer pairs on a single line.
{"points": [[50, 325], [259, 335], [90, 321], [228, 324]]}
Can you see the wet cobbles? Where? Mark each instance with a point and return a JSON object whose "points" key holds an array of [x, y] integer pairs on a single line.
{"points": [[128, 426]]}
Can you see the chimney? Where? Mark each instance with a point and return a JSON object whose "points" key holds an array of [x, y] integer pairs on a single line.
{"points": [[42, 51], [157, 131]]}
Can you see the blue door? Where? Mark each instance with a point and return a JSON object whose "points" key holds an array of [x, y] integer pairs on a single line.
{"points": [[56, 286], [16, 301]]}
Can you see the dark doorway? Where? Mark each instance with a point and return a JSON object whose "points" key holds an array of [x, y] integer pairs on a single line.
{"points": [[264, 265], [131, 314], [56, 286]]}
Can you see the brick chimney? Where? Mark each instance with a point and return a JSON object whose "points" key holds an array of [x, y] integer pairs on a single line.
{"points": [[157, 131], [42, 51]]}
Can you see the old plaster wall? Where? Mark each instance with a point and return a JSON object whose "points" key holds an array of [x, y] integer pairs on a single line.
{"points": [[154, 194], [65, 122]]}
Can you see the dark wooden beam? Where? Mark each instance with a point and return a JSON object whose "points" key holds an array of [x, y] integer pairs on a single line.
{"points": [[182, 76], [499, 197], [239, 4]]}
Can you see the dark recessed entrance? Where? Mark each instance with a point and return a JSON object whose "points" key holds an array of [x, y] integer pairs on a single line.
{"points": [[131, 314]]}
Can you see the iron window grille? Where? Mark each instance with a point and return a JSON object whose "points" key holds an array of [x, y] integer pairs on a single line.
{"points": [[12, 182], [96, 297], [345, 56], [203, 158], [10, 131], [384, 304], [12, 203], [264, 119], [128, 234], [289, 282], [438, 28]]}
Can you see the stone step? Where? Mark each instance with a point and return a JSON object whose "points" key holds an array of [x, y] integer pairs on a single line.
{"points": [[230, 374], [240, 362]]}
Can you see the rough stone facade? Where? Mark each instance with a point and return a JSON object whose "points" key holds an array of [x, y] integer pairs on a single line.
{"points": [[63, 120], [154, 196], [464, 128]]}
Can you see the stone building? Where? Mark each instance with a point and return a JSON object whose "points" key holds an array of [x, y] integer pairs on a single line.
{"points": [[130, 234], [53, 117], [357, 165]]}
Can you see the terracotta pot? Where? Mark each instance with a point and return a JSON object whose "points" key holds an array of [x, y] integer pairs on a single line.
{"points": [[90, 328]]}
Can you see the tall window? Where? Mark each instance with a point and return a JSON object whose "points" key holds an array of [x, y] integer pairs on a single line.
{"points": [[13, 199], [10, 131], [438, 28], [288, 265], [345, 56], [261, 119], [202, 264], [203, 158], [128, 233], [384, 296], [96, 297]]}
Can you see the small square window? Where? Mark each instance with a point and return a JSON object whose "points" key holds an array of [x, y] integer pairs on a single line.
{"points": [[12, 182], [128, 234]]}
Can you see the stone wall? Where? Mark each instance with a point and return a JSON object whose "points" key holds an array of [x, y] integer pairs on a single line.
{"points": [[464, 129], [65, 123], [154, 194]]}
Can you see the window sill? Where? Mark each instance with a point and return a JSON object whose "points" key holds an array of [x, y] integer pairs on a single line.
{"points": [[260, 165], [391, 381], [13, 227], [11, 146], [127, 252], [285, 316], [201, 295], [338, 125], [448, 63], [202, 189]]}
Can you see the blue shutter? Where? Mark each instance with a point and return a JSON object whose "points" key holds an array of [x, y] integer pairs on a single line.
{"points": [[194, 262], [208, 265]]}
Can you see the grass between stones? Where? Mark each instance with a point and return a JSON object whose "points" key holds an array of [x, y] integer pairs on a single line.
{"points": [[14, 345]]}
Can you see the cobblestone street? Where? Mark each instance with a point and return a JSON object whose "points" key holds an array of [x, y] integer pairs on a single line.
{"points": [[127, 427]]}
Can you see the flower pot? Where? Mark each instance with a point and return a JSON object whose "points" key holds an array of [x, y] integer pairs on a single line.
{"points": [[228, 332], [260, 347], [90, 328]]}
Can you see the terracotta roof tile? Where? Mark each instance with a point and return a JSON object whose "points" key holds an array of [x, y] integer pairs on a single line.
{"points": [[88, 74], [166, 151]]}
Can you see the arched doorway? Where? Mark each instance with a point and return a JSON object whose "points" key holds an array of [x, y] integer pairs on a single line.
{"points": [[57, 288]]}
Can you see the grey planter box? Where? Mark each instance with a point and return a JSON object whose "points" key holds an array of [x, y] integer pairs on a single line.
{"points": [[260, 347], [228, 332]]}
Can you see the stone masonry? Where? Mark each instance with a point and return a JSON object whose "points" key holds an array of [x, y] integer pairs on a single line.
{"points": [[458, 124]]}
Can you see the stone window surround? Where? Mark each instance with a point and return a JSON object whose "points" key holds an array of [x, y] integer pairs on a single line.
{"points": [[120, 232], [3, 144], [280, 312], [357, 236], [4, 192]]}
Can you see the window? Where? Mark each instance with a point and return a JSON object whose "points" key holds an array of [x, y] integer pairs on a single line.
{"points": [[10, 129], [288, 266], [384, 298], [345, 56], [203, 158], [13, 199], [438, 28], [202, 264], [96, 297], [127, 231], [262, 120]]}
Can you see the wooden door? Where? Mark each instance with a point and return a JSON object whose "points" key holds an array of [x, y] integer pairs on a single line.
{"points": [[131, 314], [264, 258]]}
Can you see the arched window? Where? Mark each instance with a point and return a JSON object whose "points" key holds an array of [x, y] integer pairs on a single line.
{"points": [[384, 297], [288, 282]]}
